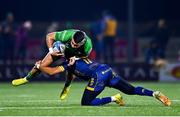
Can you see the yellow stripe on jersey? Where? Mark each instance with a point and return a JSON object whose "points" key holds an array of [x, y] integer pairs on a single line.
{"points": [[87, 61], [84, 57], [61, 68], [90, 88]]}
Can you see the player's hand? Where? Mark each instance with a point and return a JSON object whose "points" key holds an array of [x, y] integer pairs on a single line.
{"points": [[37, 64], [72, 60]]}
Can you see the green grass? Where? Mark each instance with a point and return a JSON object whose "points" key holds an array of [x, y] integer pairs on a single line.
{"points": [[43, 99]]}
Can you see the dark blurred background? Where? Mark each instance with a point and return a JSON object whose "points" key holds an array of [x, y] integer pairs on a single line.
{"points": [[56, 10], [125, 33]]}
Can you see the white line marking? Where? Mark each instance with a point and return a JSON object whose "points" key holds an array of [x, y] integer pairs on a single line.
{"points": [[11, 101], [33, 108], [44, 108], [175, 100], [23, 95], [31, 101], [26, 95]]}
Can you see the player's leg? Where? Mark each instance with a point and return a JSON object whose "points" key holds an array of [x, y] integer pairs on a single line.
{"points": [[89, 99], [93, 89], [127, 88], [67, 85], [48, 59]]}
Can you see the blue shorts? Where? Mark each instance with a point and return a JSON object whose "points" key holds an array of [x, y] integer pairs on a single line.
{"points": [[104, 76]]}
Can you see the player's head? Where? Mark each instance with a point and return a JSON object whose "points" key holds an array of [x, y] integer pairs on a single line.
{"points": [[78, 39]]}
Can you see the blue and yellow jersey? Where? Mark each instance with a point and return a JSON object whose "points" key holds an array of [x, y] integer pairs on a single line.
{"points": [[99, 75], [85, 68]]}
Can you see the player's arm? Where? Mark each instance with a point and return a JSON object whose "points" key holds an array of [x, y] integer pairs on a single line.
{"points": [[51, 70], [50, 40], [54, 36], [55, 70]]}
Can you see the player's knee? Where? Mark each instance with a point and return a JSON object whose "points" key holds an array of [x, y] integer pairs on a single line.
{"points": [[85, 102]]}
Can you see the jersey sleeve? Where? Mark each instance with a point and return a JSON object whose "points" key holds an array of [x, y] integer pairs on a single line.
{"points": [[61, 68], [88, 46], [64, 36], [64, 66]]}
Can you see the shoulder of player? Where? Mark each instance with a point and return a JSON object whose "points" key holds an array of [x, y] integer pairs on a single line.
{"points": [[64, 35], [88, 46], [88, 42]]}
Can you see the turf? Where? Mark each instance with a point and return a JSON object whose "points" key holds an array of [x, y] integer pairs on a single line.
{"points": [[43, 99]]}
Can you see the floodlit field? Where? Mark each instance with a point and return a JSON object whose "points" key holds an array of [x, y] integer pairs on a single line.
{"points": [[43, 99]]}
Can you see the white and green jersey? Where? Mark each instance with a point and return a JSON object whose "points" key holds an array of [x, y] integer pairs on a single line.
{"points": [[66, 37]]}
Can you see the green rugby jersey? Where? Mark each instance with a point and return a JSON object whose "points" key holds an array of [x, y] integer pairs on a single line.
{"points": [[66, 37]]}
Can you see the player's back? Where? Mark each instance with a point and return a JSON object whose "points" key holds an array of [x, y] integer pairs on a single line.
{"points": [[86, 68]]}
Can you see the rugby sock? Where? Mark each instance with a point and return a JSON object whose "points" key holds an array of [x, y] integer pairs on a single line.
{"points": [[142, 91], [113, 98], [100, 101], [31, 75]]}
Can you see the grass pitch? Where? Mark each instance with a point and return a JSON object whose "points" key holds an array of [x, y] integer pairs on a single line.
{"points": [[43, 99]]}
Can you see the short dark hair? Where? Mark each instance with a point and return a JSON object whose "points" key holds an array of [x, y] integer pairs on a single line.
{"points": [[79, 36]]}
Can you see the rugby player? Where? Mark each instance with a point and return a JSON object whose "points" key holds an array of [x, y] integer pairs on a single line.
{"points": [[101, 76], [76, 42]]}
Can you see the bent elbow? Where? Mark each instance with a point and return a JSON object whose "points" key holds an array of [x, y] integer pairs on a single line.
{"points": [[50, 36]]}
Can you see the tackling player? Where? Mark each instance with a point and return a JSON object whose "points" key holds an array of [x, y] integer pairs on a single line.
{"points": [[76, 42], [100, 76]]}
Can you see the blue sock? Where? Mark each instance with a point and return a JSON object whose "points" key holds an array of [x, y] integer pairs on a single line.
{"points": [[100, 101], [142, 91]]}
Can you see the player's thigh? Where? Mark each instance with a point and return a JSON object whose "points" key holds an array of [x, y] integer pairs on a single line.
{"points": [[48, 59], [93, 89], [124, 86], [96, 84]]}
